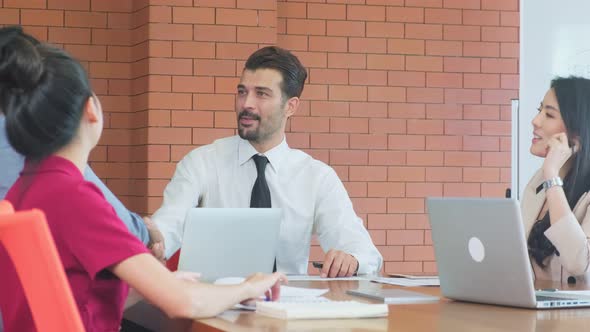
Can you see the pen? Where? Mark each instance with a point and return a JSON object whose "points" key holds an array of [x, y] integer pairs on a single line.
{"points": [[548, 290], [320, 266]]}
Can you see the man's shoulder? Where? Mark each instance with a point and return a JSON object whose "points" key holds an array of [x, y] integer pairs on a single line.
{"points": [[226, 142], [219, 146], [302, 159]]}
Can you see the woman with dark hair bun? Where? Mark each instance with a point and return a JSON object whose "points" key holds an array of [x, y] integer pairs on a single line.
{"points": [[43, 93], [555, 202], [54, 120]]}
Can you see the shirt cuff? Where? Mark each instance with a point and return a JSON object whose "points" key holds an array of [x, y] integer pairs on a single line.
{"points": [[571, 242], [171, 245], [138, 228], [565, 232], [364, 267]]}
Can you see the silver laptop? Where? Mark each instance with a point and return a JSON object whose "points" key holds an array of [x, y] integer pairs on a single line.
{"points": [[482, 255], [228, 242]]}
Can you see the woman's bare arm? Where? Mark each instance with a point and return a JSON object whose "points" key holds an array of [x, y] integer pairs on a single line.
{"points": [[182, 298]]}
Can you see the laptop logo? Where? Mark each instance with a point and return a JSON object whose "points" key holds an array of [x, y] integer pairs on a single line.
{"points": [[476, 249]]}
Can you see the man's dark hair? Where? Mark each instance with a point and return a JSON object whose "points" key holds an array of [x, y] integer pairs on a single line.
{"points": [[292, 71]]}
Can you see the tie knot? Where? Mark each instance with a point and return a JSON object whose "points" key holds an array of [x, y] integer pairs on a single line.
{"points": [[260, 162]]}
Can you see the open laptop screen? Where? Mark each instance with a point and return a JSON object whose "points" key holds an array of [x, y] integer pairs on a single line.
{"points": [[230, 242]]}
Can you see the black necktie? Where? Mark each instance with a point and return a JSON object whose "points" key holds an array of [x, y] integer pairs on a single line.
{"points": [[260, 193]]}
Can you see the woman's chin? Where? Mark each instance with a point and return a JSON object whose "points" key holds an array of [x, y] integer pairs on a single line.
{"points": [[537, 152]]}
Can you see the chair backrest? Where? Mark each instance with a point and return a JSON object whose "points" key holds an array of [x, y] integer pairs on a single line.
{"points": [[29, 243], [6, 208], [172, 262]]}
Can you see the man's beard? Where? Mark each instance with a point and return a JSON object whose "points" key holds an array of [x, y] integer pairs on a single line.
{"points": [[247, 133], [250, 135]]}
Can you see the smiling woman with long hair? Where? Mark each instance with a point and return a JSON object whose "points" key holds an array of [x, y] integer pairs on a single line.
{"points": [[555, 202]]}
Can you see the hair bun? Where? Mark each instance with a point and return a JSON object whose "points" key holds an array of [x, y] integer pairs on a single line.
{"points": [[21, 65]]}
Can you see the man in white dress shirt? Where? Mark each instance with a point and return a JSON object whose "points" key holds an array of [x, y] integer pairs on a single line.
{"points": [[312, 197]]}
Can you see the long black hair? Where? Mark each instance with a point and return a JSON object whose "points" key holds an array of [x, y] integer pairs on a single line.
{"points": [[573, 97], [43, 91]]}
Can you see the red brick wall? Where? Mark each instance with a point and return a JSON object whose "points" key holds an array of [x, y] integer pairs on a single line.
{"points": [[110, 39], [405, 98]]}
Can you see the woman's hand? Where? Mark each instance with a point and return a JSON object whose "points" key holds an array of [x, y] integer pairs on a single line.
{"points": [[558, 152], [268, 285]]}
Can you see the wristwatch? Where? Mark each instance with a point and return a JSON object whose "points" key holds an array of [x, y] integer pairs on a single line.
{"points": [[555, 181]]}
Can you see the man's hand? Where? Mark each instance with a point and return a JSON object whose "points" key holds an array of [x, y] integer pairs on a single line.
{"points": [[156, 244], [339, 264]]}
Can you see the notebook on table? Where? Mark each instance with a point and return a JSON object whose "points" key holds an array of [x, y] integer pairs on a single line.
{"points": [[288, 294], [393, 296], [321, 308], [482, 256]]}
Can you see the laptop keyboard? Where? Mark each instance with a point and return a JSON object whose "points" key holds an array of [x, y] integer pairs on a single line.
{"points": [[553, 298]]}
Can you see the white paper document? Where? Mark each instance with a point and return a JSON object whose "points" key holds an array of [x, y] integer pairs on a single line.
{"points": [[292, 295], [288, 291], [305, 277], [408, 282], [411, 276]]}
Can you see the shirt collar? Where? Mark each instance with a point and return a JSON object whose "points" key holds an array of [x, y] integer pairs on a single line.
{"points": [[51, 163], [274, 155]]}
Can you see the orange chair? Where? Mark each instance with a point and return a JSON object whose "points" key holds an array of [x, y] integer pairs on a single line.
{"points": [[28, 242], [6, 208]]}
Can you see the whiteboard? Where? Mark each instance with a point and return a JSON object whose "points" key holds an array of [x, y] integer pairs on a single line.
{"points": [[555, 41]]}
